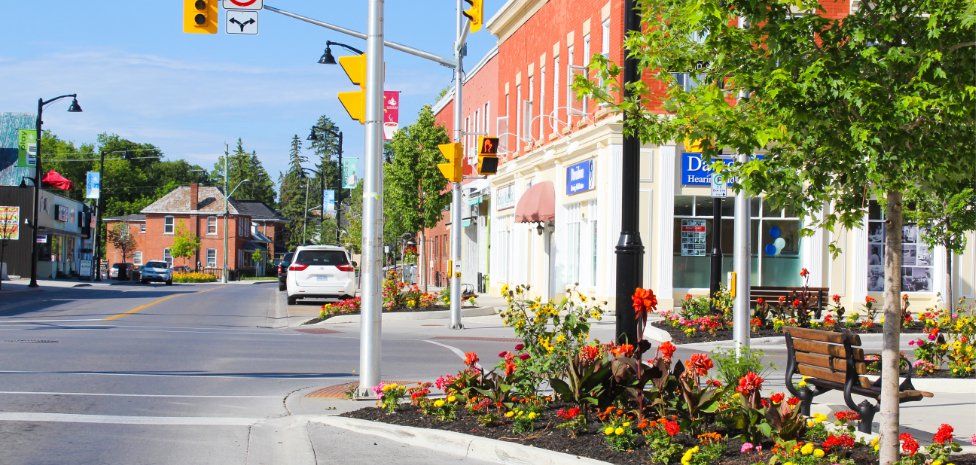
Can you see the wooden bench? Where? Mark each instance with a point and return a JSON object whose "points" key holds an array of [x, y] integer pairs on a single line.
{"points": [[816, 297], [835, 361]]}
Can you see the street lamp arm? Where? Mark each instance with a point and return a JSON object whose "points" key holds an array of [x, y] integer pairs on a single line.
{"points": [[347, 47], [42, 102], [235, 187]]}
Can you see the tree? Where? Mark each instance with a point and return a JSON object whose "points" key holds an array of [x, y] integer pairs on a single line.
{"points": [[292, 193], [241, 166], [413, 186], [326, 148], [185, 243], [944, 220], [120, 238], [873, 105]]}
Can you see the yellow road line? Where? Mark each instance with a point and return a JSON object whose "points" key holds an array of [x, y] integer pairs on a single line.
{"points": [[150, 304]]}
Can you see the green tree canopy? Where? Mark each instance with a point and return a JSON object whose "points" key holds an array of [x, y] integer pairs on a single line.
{"points": [[242, 165], [185, 243]]}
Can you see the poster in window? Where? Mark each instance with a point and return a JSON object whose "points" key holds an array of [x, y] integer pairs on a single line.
{"points": [[875, 254], [908, 254], [909, 234], [876, 232], [924, 257], [692, 238], [875, 278], [915, 279]]}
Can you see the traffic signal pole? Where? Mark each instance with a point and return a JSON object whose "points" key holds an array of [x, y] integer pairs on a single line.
{"points": [[454, 273]]}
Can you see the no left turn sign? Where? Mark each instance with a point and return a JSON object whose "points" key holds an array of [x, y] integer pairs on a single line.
{"points": [[244, 4]]}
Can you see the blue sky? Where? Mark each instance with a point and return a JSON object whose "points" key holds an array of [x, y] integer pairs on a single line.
{"points": [[138, 75]]}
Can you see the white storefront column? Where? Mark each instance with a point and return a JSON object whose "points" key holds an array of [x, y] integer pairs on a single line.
{"points": [[664, 282]]}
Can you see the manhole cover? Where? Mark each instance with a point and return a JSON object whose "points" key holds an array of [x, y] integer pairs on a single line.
{"points": [[32, 341]]}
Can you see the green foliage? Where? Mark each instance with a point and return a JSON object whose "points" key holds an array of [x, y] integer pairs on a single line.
{"points": [[292, 194], [732, 365], [585, 378], [119, 237], [241, 166], [185, 243], [413, 186]]}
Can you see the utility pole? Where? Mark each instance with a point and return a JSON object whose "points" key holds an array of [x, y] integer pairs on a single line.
{"points": [[454, 274], [372, 277], [99, 206], [223, 274]]}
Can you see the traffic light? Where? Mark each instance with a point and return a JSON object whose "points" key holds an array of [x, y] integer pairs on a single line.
{"points": [[355, 102], [475, 14], [487, 155], [453, 153], [200, 16]]}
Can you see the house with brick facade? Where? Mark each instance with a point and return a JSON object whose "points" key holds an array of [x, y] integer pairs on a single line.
{"points": [[251, 226]]}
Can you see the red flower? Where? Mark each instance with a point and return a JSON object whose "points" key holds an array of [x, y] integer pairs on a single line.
{"points": [[519, 346], [568, 414], [699, 364], [842, 440], [869, 300], [667, 350], [804, 273], [523, 356], [749, 384], [908, 444], [671, 427], [847, 415], [793, 401], [623, 350], [777, 398], [644, 302], [836, 298], [470, 359], [687, 296], [714, 383], [782, 299], [944, 434], [760, 301], [510, 367], [503, 354], [796, 302]]}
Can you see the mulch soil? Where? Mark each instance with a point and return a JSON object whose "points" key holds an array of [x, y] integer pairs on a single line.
{"points": [[590, 444]]}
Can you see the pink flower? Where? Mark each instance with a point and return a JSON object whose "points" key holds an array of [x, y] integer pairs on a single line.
{"points": [[746, 447], [972, 440], [524, 357], [519, 346]]}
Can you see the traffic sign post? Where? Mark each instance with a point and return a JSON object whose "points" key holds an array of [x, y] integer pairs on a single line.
{"points": [[720, 189]]}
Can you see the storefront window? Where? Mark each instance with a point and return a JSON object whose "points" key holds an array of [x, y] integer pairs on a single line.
{"points": [[916, 270], [775, 243]]}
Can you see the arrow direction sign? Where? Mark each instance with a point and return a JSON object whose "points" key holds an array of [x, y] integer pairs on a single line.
{"points": [[242, 22], [243, 4]]}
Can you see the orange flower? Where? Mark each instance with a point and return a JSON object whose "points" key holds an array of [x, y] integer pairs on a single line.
{"points": [[470, 359], [644, 302]]}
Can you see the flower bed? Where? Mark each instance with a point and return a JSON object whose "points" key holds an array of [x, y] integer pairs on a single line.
{"points": [[626, 403], [397, 297], [193, 277]]}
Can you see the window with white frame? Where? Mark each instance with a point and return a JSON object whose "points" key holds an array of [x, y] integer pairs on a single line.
{"points": [[527, 108], [168, 225], [605, 46], [518, 116], [211, 258], [586, 62], [501, 128], [570, 99], [573, 242], [555, 92], [167, 257], [211, 225], [137, 257], [542, 103], [916, 257], [142, 227], [591, 218]]}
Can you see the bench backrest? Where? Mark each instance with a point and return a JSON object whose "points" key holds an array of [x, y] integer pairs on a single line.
{"points": [[826, 354], [816, 296]]}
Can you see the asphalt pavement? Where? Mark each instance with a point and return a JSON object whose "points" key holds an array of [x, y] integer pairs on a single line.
{"points": [[313, 433]]}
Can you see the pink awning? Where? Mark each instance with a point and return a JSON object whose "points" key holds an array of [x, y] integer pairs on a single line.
{"points": [[54, 179], [538, 204]]}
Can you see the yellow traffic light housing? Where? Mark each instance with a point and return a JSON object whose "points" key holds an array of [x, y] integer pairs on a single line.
{"points": [[475, 14], [487, 155], [355, 102], [200, 16], [452, 169]]}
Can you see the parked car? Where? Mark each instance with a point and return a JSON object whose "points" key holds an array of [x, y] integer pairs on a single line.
{"points": [[121, 271], [156, 270], [283, 270], [321, 271]]}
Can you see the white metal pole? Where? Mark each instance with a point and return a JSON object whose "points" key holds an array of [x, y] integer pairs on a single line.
{"points": [[372, 300], [454, 274], [742, 266], [223, 275]]}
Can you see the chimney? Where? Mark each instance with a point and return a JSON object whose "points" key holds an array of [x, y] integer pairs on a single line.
{"points": [[194, 196]]}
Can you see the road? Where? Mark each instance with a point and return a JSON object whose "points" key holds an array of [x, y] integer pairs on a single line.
{"points": [[171, 375]]}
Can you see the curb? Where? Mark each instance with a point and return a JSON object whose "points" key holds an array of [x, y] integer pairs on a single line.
{"points": [[408, 316], [459, 444]]}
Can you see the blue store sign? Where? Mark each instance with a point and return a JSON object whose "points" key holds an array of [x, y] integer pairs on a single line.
{"points": [[694, 170], [579, 178]]}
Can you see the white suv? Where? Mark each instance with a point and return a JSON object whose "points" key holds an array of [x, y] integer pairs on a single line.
{"points": [[321, 271]]}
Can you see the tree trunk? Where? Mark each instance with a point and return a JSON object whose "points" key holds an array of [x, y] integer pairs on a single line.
{"points": [[421, 259], [889, 421], [948, 278]]}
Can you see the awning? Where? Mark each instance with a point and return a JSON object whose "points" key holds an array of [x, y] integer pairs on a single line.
{"points": [[54, 179], [538, 204]]}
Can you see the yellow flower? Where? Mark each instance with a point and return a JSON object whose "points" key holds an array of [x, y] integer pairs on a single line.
{"points": [[802, 383], [560, 338], [451, 399], [626, 424], [807, 449], [819, 418], [509, 414], [532, 415], [818, 453], [608, 431], [875, 441], [937, 462], [618, 431], [439, 403], [504, 289]]}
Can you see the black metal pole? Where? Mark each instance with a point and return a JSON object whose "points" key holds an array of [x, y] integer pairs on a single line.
{"points": [[629, 250], [99, 206], [338, 196], [716, 273], [37, 193]]}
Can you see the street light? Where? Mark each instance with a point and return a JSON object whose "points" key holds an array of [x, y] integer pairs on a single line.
{"points": [[313, 136], [328, 59], [73, 108], [223, 277]]}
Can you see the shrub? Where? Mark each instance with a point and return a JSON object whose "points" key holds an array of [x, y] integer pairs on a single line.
{"points": [[193, 277], [732, 366]]}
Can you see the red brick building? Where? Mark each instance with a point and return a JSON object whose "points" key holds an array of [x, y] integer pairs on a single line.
{"points": [[200, 211]]}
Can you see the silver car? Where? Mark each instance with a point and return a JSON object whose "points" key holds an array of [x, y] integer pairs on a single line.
{"points": [[156, 270]]}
